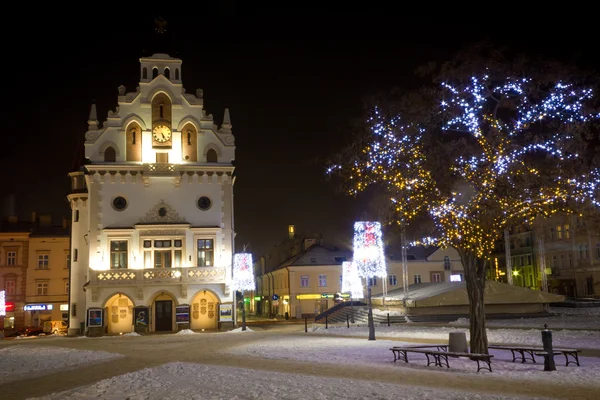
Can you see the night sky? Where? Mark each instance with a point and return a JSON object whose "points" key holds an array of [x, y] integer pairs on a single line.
{"points": [[293, 88]]}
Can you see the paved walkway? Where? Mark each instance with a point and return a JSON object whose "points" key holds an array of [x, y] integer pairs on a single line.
{"points": [[154, 350]]}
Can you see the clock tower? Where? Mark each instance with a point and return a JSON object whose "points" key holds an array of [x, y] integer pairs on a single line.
{"points": [[152, 229]]}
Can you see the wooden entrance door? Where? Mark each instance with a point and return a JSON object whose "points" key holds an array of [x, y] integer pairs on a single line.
{"points": [[163, 311]]}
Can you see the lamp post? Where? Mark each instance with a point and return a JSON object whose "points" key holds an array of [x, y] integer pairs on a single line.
{"points": [[243, 278], [369, 259]]}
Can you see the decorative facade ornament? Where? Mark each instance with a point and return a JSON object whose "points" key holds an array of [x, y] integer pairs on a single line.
{"points": [[140, 293], [163, 232], [121, 89], [183, 291], [162, 213]]}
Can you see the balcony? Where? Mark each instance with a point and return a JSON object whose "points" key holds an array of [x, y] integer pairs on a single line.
{"points": [[158, 275], [161, 169]]}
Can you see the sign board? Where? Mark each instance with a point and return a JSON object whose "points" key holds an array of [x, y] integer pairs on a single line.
{"points": [[455, 278], [141, 316], [182, 314], [38, 307], [275, 297], [2, 304], [257, 298], [326, 296], [95, 317], [225, 313]]}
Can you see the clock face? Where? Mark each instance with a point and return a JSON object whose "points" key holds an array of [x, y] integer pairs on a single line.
{"points": [[161, 133]]}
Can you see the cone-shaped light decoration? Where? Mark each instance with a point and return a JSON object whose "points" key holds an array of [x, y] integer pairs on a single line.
{"points": [[351, 281], [368, 250], [243, 273]]}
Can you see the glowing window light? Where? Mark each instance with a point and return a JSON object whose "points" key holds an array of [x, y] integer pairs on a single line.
{"points": [[243, 273], [368, 250], [351, 281]]}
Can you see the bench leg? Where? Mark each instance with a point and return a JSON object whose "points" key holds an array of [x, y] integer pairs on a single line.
{"points": [[429, 362], [445, 358], [487, 361], [575, 358]]}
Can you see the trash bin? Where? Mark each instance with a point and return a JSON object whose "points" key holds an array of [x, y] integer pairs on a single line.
{"points": [[458, 342], [287, 315]]}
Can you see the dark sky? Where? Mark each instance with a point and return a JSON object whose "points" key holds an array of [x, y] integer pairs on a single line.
{"points": [[292, 84]]}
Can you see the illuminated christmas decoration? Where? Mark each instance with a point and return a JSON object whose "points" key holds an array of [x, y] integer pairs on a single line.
{"points": [[243, 272], [2, 303], [351, 281], [368, 250]]}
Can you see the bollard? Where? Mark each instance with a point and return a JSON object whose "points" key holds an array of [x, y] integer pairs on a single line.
{"points": [[305, 324], [347, 321], [547, 342], [388, 319], [326, 322]]}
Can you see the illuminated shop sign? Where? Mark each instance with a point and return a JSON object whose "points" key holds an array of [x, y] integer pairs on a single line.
{"points": [[2, 303], [38, 307], [64, 307]]}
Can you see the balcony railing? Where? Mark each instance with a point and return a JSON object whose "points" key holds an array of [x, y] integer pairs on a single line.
{"points": [[158, 275], [161, 168]]}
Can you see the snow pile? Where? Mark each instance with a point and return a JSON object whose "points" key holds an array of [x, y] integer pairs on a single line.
{"points": [[186, 332], [131, 334], [179, 380], [19, 362], [240, 330]]}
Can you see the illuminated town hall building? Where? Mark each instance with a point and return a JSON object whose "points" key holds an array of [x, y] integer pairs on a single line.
{"points": [[152, 212]]}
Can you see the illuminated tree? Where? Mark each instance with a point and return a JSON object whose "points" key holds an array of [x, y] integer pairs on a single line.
{"points": [[494, 145]]}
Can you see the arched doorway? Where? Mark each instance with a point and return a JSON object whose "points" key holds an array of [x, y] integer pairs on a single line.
{"points": [[163, 308], [119, 314], [204, 310]]}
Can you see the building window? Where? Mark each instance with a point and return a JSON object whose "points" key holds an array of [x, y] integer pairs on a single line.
{"points": [[75, 254], [559, 232], [110, 155], [322, 280], [583, 251], [154, 72], [163, 253], [598, 250], [118, 254], [393, 281], [11, 287], [447, 264], [167, 73], [304, 281], [76, 218], [436, 277], [417, 278], [211, 156], [145, 73], [529, 260], [176, 74], [11, 258], [43, 260], [372, 281], [566, 231], [41, 288], [206, 252], [66, 287]]}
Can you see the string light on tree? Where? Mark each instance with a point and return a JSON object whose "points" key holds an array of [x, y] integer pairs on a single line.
{"points": [[351, 281]]}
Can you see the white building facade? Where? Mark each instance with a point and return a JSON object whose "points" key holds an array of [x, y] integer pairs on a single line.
{"points": [[153, 220]]}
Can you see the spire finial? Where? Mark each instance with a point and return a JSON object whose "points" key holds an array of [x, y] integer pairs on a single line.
{"points": [[226, 120], [93, 119], [161, 25]]}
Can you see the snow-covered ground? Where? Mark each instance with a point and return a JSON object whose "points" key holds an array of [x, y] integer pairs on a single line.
{"points": [[189, 381], [19, 362], [185, 380]]}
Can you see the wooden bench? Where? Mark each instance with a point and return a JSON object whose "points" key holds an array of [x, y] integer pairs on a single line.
{"points": [[439, 356], [524, 352]]}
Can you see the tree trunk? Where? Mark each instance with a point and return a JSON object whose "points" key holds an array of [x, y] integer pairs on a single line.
{"points": [[475, 269]]}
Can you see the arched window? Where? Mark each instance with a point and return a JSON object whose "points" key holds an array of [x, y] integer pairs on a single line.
{"points": [[145, 73], [176, 74], [132, 135], [154, 72], [161, 111], [211, 155], [110, 155], [189, 137], [167, 73]]}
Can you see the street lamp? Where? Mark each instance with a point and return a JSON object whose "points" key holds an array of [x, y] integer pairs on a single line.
{"points": [[243, 278], [351, 284], [369, 258]]}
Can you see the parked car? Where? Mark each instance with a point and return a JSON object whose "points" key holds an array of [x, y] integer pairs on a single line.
{"points": [[55, 327]]}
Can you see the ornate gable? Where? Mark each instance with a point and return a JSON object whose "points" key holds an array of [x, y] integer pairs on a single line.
{"points": [[162, 213]]}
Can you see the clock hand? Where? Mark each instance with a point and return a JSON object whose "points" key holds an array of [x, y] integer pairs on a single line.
{"points": [[163, 135]]}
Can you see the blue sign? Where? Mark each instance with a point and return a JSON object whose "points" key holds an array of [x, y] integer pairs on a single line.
{"points": [[275, 297], [38, 307]]}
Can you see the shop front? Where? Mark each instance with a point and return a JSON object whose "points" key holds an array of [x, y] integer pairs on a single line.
{"points": [[38, 313]]}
